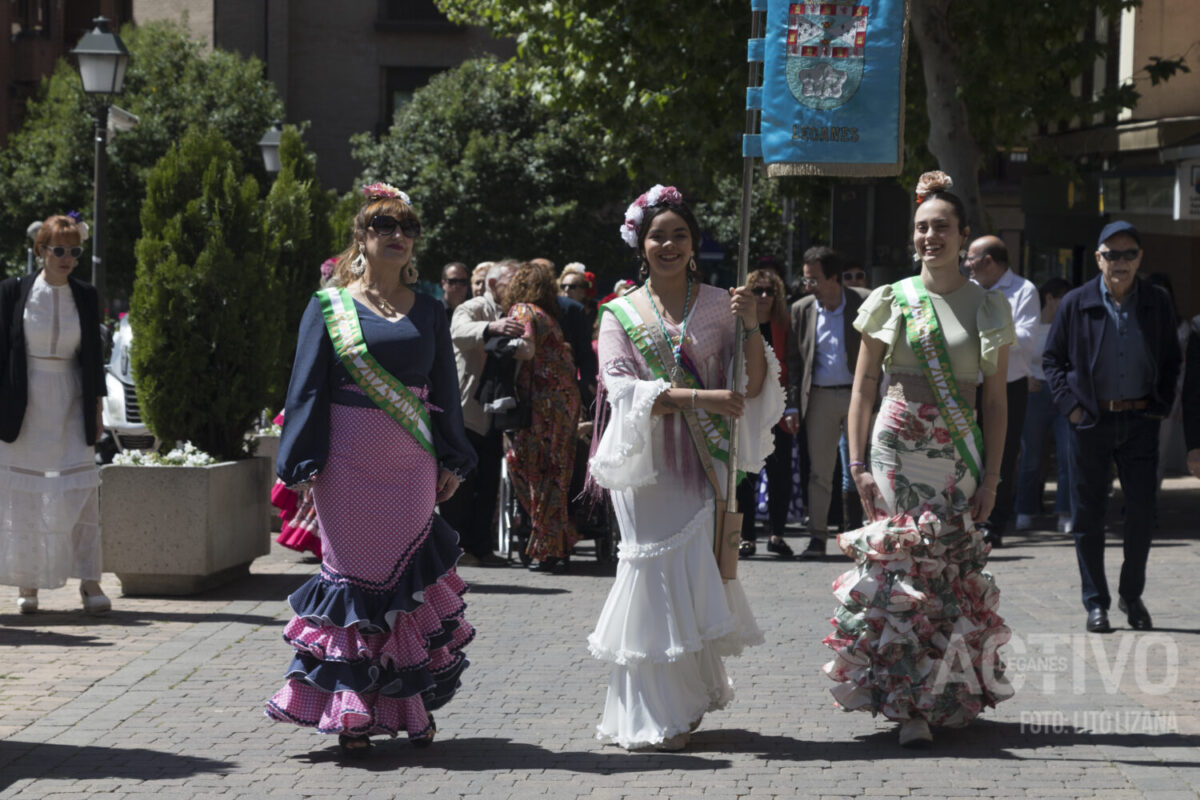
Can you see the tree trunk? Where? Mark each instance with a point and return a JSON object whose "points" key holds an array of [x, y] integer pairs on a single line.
{"points": [[950, 138]]}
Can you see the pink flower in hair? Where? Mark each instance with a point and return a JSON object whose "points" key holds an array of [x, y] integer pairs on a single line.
{"points": [[380, 191], [634, 215]]}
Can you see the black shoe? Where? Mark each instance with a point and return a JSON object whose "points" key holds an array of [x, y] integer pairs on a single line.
{"points": [[354, 746], [550, 564], [780, 548], [992, 536], [814, 550], [1135, 611], [1098, 621], [747, 548]]}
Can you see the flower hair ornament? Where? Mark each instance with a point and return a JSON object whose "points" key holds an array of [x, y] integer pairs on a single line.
{"points": [[383, 191], [932, 182], [636, 212], [84, 230]]}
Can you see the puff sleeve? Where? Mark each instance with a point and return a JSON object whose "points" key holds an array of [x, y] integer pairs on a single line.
{"points": [[995, 323], [881, 318]]}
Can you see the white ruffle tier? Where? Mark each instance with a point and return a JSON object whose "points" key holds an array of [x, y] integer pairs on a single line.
{"points": [[666, 625]]}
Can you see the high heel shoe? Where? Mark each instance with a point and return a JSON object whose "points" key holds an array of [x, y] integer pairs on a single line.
{"points": [[27, 601], [97, 603], [422, 742]]}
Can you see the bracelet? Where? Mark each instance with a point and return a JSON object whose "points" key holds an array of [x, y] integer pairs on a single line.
{"points": [[854, 464], [751, 331], [693, 398]]}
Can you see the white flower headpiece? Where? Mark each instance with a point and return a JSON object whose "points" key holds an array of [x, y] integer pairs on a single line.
{"points": [[380, 191], [637, 210]]}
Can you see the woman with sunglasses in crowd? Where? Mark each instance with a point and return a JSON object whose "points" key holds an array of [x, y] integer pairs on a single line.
{"points": [[666, 351], [374, 426], [771, 308], [51, 382]]}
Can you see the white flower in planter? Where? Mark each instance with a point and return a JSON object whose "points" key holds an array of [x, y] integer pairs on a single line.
{"points": [[186, 456]]}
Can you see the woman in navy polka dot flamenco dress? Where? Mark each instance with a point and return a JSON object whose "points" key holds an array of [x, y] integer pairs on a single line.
{"points": [[374, 426]]}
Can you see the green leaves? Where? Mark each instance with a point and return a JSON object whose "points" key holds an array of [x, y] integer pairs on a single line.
{"points": [[206, 330]]}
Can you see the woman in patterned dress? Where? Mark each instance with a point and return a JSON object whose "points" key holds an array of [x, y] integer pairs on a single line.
{"points": [[916, 630], [541, 457], [379, 632]]}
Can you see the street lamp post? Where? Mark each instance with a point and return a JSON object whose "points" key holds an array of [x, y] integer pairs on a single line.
{"points": [[269, 144], [102, 61]]}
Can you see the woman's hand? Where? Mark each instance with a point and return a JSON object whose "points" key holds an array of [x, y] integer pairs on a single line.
{"points": [[868, 492], [982, 502], [721, 401], [447, 485], [744, 306]]}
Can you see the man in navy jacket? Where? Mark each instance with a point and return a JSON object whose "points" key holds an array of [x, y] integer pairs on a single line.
{"points": [[1111, 362]]}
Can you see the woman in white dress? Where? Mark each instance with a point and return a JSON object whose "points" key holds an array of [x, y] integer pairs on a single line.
{"points": [[669, 618], [51, 381]]}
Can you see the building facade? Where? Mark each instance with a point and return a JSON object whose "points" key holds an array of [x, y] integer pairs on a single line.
{"points": [[343, 67]]}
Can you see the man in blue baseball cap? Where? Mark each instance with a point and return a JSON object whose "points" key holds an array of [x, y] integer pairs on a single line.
{"points": [[1111, 362]]}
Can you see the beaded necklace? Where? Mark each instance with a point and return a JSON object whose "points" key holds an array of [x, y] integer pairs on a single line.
{"points": [[676, 350]]}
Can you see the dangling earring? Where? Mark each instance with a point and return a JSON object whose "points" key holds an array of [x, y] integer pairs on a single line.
{"points": [[644, 270], [962, 254], [692, 268], [359, 265], [409, 274], [916, 258]]}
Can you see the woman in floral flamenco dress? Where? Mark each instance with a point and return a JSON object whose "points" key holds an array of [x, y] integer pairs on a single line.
{"points": [[916, 632], [374, 426], [669, 618]]}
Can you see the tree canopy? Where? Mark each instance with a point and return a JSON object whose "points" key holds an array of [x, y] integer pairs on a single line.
{"points": [[494, 173], [172, 83]]}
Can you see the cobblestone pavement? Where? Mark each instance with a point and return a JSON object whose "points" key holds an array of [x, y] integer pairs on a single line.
{"points": [[164, 696]]}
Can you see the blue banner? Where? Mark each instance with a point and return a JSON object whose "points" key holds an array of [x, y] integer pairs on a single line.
{"points": [[833, 87]]}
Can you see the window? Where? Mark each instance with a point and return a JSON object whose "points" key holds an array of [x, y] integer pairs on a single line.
{"points": [[411, 15], [1144, 194], [31, 18], [399, 83]]}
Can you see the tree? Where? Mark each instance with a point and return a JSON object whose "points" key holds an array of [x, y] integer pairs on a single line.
{"points": [[172, 83], [207, 332], [667, 85], [298, 238], [493, 173]]}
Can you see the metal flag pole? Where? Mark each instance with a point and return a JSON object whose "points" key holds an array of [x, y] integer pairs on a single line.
{"points": [[739, 337]]}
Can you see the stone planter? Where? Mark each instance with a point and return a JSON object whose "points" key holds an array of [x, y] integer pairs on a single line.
{"points": [[181, 530], [268, 447]]}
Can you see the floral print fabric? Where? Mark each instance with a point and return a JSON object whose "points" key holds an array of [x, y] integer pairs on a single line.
{"points": [[542, 456], [916, 632]]}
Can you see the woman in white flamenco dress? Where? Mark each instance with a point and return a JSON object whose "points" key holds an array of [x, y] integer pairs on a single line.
{"points": [[669, 618]]}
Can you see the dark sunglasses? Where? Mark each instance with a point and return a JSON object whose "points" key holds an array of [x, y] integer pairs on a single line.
{"points": [[808, 282], [386, 226], [854, 276], [450, 281], [1117, 255], [763, 291], [59, 251], [566, 287]]}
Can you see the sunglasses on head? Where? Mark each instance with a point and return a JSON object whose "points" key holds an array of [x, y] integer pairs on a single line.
{"points": [[1117, 255], [386, 226], [59, 251], [857, 275], [764, 291], [450, 281]]}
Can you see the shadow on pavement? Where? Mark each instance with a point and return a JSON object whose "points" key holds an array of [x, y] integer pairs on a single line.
{"points": [[21, 636], [477, 754], [478, 587], [21, 760], [125, 618]]}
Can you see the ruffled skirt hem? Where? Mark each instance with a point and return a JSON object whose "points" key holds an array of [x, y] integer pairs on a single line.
{"points": [[916, 633]]}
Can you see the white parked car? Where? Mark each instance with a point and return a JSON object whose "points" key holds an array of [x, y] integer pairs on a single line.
{"points": [[122, 416]]}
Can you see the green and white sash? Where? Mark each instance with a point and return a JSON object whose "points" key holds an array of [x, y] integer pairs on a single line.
{"points": [[384, 389], [929, 344], [713, 427]]}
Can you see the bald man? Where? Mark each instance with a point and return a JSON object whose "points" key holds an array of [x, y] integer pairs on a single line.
{"points": [[987, 260]]}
